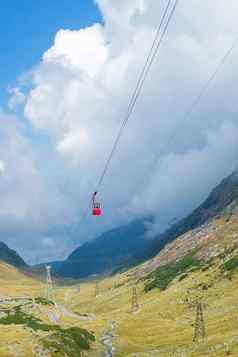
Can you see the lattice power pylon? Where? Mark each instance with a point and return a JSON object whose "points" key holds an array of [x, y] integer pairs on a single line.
{"points": [[199, 328], [134, 301], [49, 283], [96, 289]]}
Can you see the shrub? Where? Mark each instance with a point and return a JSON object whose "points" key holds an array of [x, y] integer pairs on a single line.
{"points": [[162, 276], [231, 264]]}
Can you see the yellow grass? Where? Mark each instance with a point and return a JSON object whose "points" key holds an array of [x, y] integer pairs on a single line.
{"points": [[163, 325]]}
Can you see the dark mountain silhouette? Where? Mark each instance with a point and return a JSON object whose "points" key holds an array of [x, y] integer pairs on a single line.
{"points": [[113, 250], [10, 256]]}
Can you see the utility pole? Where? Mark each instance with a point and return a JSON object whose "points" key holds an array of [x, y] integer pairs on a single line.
{"points": [[49, 283], [199, 329], [134, 302]]}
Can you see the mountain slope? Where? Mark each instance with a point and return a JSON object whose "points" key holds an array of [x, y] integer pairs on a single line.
{"points": [[126, 246], [118, 248], [201, 265], [10, 256], [30, 324], [218, 200]]}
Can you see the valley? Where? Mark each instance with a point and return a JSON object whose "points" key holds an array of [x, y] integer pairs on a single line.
{"points": [[181, 302], [118, 178], [100, 311]]}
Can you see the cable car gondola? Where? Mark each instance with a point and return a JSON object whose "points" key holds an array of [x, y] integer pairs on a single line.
{"points": [[96, 207]]}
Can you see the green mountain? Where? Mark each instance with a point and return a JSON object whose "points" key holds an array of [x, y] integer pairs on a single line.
{"points": [[10, 256], [117, 249]]}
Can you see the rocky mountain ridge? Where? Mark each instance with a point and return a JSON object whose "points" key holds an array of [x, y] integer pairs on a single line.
{"points": [[216, 238]]}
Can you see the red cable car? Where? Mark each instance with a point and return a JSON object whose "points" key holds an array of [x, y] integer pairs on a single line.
{"points": [[96, 207]]}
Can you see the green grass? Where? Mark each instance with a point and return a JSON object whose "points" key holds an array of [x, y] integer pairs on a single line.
{"points": [[43, 301], [68, 342], [18, 317], [230, 264], [162, 276], [61, 341]]}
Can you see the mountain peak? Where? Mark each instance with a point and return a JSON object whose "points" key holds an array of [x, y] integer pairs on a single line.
{"points": [[10, 256]]}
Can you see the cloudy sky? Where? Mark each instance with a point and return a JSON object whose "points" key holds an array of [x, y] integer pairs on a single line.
{"points": [[66, 88]]}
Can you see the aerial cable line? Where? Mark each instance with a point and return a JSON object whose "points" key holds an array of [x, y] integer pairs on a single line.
{"points": [[198, 98], [139, 86], [203, 90], [150, 62], [146, 68], [142, 78], [157, 34], [210, 79]]}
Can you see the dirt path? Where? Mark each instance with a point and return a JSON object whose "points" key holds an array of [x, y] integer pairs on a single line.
{"points": [[65, 312]]}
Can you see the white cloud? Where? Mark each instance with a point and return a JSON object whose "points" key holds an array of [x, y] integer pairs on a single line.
{"points": [[79, 97], [2, 167], [32, 201], [17, 98], [84, 49], [119, 13]]}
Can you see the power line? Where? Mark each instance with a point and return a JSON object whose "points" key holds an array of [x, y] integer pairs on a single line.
{"points": [[143, 76], [139, 86], [201, 93], [146, 68], [210, 79], [156, 44], [149, 54], [155, 54]]}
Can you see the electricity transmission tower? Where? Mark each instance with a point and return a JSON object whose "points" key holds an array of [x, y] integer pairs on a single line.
{"points": [[134, 302], [96, 289], [199, 329], [49, 283]]}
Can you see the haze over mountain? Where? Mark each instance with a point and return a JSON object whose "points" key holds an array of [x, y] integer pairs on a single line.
{"points": [[128, 245], [116, 249], [220, 198]]}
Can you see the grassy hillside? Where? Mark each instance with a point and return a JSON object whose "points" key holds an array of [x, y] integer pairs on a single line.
{"points": [[31, 325], [95, 318], [165, 321], [14, 283], [205, 267]]}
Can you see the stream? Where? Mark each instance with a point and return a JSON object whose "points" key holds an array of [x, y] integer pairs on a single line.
{"points": [[107, 340]]}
